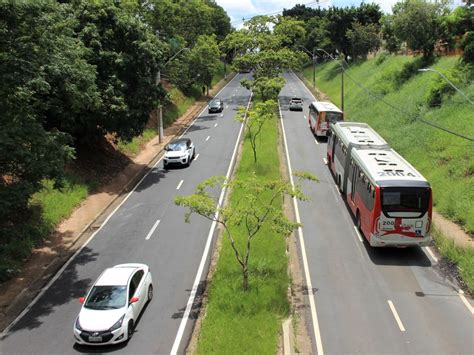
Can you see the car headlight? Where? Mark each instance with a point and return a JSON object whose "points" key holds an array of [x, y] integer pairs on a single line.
{"points": [[117, 324], [78, 325]]}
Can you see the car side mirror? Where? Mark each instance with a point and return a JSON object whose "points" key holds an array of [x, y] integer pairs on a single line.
{"points": [[81, 299], [134, 299]]}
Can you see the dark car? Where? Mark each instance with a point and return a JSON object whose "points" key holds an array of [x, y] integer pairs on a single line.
{"points": [[216, 105], [296, 104]]}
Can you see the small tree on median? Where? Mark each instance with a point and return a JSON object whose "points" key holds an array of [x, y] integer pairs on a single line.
{"points": [[255, 209], [256, 118]]}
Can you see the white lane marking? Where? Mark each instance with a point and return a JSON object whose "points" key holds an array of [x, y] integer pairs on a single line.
{"points": [[304, 116], [358, 233], [316, 141], [66, 264], [215, 125], [197, 280], [148, 236], [337, 189], [395, 314], [179, 185], [325, 161], [196, 157], [208, 138], [226, 106], [431, 254], [465, 301], [312, 303]]}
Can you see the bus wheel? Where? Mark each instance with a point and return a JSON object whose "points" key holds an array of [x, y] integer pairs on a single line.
{"points": [[358, 220]]}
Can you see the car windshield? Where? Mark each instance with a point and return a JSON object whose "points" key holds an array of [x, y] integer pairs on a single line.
{"points": [[176, 147], [215, 102], [107, 297], [296, 100]]}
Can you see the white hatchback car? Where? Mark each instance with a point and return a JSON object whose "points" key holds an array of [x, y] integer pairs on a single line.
{"points": [[179, 151], [112, 306]]}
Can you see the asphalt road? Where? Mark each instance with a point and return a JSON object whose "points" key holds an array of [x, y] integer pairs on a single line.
{"points": [[360, 291], [173, 251]]}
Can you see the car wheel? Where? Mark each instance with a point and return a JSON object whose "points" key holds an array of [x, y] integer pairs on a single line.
{"points": [[165, 166], [150, 293], [194, 154], [130, 329]]}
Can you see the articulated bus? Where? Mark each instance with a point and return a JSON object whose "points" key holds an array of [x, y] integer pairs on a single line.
{"points": [[321, 116], [344, 136], [390, 199]]}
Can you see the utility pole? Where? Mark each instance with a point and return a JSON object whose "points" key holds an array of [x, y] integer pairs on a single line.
{"points": [[314, 69], [160, 106], [342, 89]]}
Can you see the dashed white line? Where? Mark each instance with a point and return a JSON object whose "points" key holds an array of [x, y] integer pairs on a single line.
{"points": [[196, 157], [395, 314], [316, 141], [465, 301], [215, 125], [337, 189], [179, 185], [304, 116], [325, 161], [358, 234], [152, 230], [208, 138]]}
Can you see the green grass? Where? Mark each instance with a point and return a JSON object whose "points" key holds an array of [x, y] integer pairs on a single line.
{"points": [[133, 147], [462, 257], [249, 322], [444, 159]]}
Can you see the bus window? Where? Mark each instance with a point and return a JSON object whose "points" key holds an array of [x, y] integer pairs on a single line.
{"points": [[405, 199], [333, 117]]}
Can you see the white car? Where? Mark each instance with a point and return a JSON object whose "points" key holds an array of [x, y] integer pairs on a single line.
{"points": [[179, 151], [112, 306]]}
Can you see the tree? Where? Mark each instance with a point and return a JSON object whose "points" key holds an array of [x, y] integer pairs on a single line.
{"points": [[253, 211], [363, 39], [256, 118], [44, 78], [417, 22], [204, 59], [391, 41], [127, 57]]}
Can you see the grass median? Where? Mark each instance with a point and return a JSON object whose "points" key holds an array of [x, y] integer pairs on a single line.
{"points": [[238, 321]]}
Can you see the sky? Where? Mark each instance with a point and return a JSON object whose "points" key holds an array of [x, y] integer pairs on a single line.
{"points": [[238, 9]]}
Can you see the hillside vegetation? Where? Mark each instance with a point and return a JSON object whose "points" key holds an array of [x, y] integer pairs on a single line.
{"points": [[445, 159]]}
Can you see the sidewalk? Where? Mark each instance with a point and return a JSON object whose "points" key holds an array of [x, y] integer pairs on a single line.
{"points": [[45, 261]]}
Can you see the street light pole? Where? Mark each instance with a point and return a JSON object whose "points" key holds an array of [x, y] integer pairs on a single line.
{"points": [[160, 106], [449, 82], [342, 76]]}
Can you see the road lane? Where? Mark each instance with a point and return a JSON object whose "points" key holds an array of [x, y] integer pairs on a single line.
{"points": [[173, 250], [353, 282]]}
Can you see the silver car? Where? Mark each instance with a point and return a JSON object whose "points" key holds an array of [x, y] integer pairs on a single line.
{"points": [[179, 151], [296, 104]]}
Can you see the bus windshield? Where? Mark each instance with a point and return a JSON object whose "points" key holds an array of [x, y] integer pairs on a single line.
{"points": [[405, 199], [333, 117]]}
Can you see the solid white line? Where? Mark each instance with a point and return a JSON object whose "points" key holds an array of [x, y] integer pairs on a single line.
{"points": [[179, 185], [196, 157], [465, 301], [430, 252], [316, 141], [325, 161], [395, 314], [312, 303], [66, 264], [197, 280], [208, 138], [337, 189], [148, 236], [215, 125], [304, 116], [358, 234]]}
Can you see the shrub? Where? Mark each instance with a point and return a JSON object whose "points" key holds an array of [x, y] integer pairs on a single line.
{"points": [[381, 58], [468, 45]]}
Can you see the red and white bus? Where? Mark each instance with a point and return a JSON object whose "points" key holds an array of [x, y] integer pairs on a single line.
{"points": [[390, 199], [321, 116], [344, 136]]}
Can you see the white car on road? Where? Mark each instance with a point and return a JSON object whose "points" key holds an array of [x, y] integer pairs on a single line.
{"points": [[179, 151], [111, 308]]}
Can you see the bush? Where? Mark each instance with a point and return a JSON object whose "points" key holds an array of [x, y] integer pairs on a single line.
{"points": [[439, 88], [468, 45], [381, 58], [410, 69]]}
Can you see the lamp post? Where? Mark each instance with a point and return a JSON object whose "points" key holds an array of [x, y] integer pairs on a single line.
{"points": [[342, 76], [449, 82], [158, 81], [313, 57]]}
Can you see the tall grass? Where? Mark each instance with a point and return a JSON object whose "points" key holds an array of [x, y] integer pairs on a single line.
{"points": [[236, 321]]}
